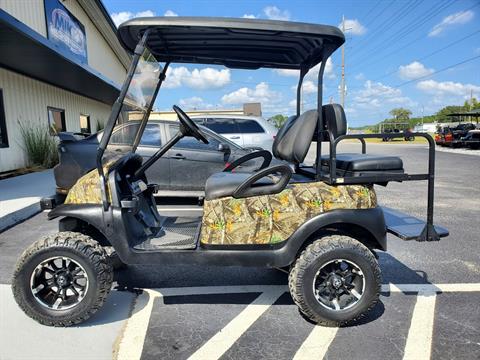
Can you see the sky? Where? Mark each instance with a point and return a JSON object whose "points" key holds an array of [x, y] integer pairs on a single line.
{"points": [[421, 55]]}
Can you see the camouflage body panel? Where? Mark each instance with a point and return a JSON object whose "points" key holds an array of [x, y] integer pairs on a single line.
{"points": [[87, 189], [271, 219]]}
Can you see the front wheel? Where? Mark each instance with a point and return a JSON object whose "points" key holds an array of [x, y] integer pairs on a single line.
{"points": [[335, 281], [63, 279]]}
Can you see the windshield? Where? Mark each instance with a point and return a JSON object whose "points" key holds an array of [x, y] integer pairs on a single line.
{"points": [[140, 93]]}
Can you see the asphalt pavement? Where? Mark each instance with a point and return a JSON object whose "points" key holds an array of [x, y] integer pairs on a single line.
{"points": [[245, 313]]}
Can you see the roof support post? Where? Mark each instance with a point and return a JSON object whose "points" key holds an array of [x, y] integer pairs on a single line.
{"points": [[320, 125], [116, 108], [303, 72]]}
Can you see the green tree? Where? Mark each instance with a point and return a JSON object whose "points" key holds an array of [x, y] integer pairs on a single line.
{"points": [[278, 120], [400, 113]]}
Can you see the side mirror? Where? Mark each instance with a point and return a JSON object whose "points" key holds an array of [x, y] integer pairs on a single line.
{"points": [[223, 147]]}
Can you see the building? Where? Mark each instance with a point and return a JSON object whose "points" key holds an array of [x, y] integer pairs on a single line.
{"points": [[61, 65]]}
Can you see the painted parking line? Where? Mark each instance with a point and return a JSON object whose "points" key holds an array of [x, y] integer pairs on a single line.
{"points": [[225, 338], [317, 343], [133, 337], [419, 339], [458, 287]]}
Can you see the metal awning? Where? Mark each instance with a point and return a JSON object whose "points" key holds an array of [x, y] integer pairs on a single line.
{"points": [[232, 42], [25, 51], [473, 113]]}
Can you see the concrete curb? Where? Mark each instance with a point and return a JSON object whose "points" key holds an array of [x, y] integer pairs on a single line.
{"points": [[18, 216], [20, 196]]}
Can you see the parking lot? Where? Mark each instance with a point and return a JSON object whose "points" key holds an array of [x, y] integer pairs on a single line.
{"points": [[428, 308]]}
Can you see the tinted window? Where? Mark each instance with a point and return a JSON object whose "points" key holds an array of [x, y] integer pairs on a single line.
{"points": [[125, 135], [56, 120], [222, 126], [191, 143], [249, 126], [151, 136], [85, 126]]}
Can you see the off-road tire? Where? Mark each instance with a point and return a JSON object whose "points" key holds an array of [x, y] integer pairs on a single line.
{"points": [[80, 248], [302, 274]]}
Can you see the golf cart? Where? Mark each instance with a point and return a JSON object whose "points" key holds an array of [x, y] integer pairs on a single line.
{"points": [[321, 222]]}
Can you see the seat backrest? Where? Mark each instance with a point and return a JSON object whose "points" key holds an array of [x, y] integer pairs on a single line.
{"points": [[334, 119], [295, 136]]}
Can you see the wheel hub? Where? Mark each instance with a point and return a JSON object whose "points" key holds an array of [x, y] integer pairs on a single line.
{"points": [[59, 283], [338, 284]]}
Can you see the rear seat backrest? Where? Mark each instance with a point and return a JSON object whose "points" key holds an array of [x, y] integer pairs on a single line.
{"points": [[294, 138], [334, 119]]}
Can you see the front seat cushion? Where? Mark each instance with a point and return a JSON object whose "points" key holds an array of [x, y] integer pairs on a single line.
{"points": [[225, 183], [365, 162]]}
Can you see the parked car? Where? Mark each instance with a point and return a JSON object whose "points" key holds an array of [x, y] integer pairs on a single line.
{"points": [[181, 172], [247, 131], [472, 139]]}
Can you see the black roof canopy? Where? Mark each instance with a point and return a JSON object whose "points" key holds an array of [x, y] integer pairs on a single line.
{"points": [[232, 42]]}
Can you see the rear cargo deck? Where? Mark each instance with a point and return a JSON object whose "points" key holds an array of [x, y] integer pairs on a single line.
{"points": [[407, 227]]}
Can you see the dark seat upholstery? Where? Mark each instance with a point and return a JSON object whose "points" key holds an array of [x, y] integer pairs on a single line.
{"points": [[225, 183], [365, 162], [351, 163], [291, 144]]}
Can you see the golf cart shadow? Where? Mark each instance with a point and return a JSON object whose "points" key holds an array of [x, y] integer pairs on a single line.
{"points": [[117, 308], [179, 277]]}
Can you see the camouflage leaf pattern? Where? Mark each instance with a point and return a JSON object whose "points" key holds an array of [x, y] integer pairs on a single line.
{"points": [[87, 189], [271, 219]]}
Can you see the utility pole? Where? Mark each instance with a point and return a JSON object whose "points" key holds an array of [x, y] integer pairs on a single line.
{"points": [[342, 86]]}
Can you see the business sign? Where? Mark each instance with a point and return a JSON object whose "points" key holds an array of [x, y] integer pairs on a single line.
{"points": [[64, 30]]}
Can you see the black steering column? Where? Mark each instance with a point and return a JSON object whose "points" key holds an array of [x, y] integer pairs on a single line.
{"points": [[187, 128]]}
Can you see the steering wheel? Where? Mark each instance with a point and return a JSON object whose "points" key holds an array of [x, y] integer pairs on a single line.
{"points": [[190, 128]]}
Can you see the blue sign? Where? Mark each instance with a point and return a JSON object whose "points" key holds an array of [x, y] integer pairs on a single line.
{"points": [[64, 30]]}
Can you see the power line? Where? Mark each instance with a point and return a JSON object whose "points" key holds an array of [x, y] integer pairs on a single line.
{"points": [[409, 28], [453, 43], [436, 72]]}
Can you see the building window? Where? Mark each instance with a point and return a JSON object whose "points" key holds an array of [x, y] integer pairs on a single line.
{"points": [[3, 124], [56, 120], [85, 126]]}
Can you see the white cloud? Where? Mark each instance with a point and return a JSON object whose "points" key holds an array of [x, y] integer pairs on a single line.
{"points": [[360, 77], [447, 88], [354, 27], [458, 18], [194, 103], [312, 74], [261, 93], [377, 95], [123, 16], [170, 13], [274, 13], [413, 70], [309, 87], [203, 79], [249, 16]]}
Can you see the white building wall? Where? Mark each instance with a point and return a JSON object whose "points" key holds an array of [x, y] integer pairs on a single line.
{"points": [[26, 101], [100, 55], [30, 12]]}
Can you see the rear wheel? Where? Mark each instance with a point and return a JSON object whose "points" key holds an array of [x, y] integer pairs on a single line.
{"points": [[335, 281], [63, 279]]}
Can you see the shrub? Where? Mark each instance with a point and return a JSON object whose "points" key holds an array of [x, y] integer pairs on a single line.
{"points": [[40, 146]]}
